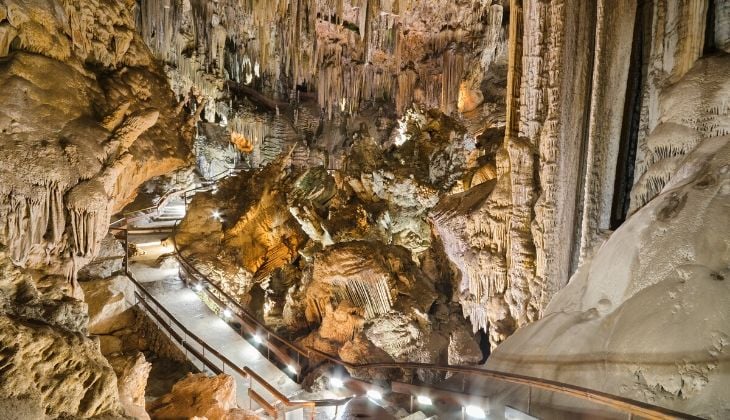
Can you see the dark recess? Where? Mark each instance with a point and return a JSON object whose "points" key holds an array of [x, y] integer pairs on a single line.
{"points": [[631, 121]]}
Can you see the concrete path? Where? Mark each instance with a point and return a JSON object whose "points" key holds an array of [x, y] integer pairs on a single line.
{"points": [[164, 283]]}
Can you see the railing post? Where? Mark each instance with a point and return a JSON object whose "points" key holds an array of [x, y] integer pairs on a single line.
{"points": [[126, 249], [529, 399]]}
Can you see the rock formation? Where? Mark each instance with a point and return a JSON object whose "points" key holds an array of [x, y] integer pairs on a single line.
{"points": [[50, 367], [632, 321], [340, 253], [87, 119], [200, 396], [395, 180]]}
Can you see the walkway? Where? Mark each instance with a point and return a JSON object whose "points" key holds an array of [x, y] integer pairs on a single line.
{"points": [[156, 268], [164, 283]]}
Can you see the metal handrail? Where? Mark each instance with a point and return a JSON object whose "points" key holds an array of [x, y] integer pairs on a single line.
{"points": [[249, 317], [166, 196], [145, 295], [616, 402], [625, 404]]}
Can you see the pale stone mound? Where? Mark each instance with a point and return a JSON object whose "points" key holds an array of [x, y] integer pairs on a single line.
{"points": [[647, 317], [109, 308]]}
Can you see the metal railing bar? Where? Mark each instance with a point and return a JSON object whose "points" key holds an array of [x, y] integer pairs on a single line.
{"points": [[625, 404], [261, 401]]}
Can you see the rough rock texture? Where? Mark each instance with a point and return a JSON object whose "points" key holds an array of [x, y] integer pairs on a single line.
{"points": [[132, 372], [87, 118], [283, 73], [647, 316], [344, 260], [200, 396], [47, 361]]}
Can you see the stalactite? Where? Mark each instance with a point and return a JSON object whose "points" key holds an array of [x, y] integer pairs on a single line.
{"points": [[372, 294], [453, 69], [312, 43], [33, 219]]}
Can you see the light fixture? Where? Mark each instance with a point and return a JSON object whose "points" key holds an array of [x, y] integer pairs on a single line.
{"points": [[424, 400], [227, 313], [257, 339], [216, 214], [198, 287], [336, 383], [475, 412], [291, 369], [375, 395]]}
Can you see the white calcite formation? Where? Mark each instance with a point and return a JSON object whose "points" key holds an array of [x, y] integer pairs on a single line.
{"points": [[320, 69], [86, 118], [555, 190], [691, 110], [647, 316]]}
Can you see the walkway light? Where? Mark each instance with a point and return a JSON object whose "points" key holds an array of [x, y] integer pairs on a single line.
{"points": [[198, 287], [291, 369], [257, 339], [375, 395], [424, 400], [216, 215], [336, 383], [227, 313], [475, 412]]}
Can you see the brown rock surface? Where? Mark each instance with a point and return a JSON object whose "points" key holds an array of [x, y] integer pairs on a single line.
{"points": [[109, 305], [132, 372], [198, 395]]}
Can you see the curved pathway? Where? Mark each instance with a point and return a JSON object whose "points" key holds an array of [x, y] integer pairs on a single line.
{"points": [[159, 277], [163, 282]]}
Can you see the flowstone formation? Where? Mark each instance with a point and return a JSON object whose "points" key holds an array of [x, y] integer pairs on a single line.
{"points": [[645, 315], [86, 117], [344, 261], [634, 320]]}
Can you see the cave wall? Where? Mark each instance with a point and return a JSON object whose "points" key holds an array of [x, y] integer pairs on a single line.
{"points": [[644, 316], [87, 117], [320, 70], [567, 84]]}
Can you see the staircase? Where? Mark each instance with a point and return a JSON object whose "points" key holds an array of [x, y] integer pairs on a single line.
{"points": [[175, 210]]}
